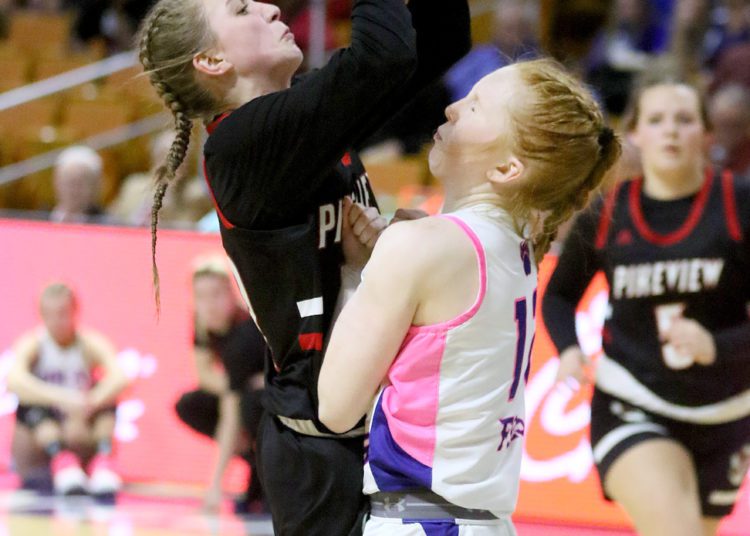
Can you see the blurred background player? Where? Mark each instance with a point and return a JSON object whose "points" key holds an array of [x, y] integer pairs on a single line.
{"points": [[229, 353], [67, 380], [670, 415]]}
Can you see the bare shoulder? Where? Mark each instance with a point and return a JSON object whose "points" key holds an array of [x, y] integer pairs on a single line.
{"points": [[427, 238], [95, 344], [429, 252], [27, 344]]}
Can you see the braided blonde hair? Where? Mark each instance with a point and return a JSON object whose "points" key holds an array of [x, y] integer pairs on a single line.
{"points": [[567, 148], [169, 37]]}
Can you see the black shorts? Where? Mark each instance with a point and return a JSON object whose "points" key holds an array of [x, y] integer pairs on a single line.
{"points": [[31, 416], [720, 452], [313, 484]]}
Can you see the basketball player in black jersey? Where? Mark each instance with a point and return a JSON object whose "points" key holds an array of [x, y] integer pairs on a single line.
{"points": [[229, 352], [670, 415], [279, 166]]}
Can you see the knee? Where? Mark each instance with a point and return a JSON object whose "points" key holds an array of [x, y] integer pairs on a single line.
{"points": [[76, 433], [182, 407], [47, 432]]}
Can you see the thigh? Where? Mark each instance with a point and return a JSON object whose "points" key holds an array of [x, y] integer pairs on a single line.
{"points": [[722, 459], [199, 410], [644, 468], [313, 485]]}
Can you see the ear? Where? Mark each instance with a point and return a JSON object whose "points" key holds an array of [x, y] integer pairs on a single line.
{"points": [[507, 171], [211, 64]]}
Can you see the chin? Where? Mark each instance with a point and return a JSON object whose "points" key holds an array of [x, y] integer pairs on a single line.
{"points": [[434, 161]]}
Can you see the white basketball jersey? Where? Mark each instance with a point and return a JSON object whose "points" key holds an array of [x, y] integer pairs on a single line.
{"points": [[451, 417], [65, 367]]}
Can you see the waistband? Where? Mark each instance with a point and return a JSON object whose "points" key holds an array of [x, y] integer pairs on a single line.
{"points": [[422, 504], [307, 427]]}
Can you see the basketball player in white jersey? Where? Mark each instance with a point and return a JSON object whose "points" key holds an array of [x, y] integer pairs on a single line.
{"points": [[67, 411], [436, 340]]}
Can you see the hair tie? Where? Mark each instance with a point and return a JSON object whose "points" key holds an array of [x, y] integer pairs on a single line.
{"points": [[606, 135]]}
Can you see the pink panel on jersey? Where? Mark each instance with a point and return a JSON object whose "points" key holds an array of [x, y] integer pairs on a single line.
{"points": [[410, 403]]}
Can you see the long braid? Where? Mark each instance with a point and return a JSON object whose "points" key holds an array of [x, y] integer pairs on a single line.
{"points": [[166, 172]]}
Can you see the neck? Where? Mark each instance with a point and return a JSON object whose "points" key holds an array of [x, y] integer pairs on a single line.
{"points": [[667, 186], [478, 195], [247, 89]]}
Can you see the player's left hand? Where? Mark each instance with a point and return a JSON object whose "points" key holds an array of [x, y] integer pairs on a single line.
{"points": [[690, 338], [361, 229]]}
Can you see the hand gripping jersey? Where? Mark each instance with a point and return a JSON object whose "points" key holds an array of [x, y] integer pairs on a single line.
{"points": [[451, 416]]}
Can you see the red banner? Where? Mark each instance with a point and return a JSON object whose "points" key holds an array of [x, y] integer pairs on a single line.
{"points": [[110, 269]]}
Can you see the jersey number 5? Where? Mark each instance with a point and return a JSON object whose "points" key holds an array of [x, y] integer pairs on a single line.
{"points": [[523, 354]]}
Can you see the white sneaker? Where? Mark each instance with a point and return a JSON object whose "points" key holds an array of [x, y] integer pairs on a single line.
{"points": [[103, 479], [67, 475]]}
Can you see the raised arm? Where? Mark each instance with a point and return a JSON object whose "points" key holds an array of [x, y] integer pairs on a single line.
{"points": [[371, 329], [279, 146]]}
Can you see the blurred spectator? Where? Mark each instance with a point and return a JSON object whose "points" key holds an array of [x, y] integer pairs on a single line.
{"points": [[114, 21], [690, 24], [572, 29], [729, 110], [64, 411], [730, 26], [184, 204], [623, 50], [733, 67], [77, 184], [229, 354], [513, 37]]}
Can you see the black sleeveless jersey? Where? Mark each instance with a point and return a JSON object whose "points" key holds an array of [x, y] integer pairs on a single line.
{"points": [[279, 167], [688, 257]]}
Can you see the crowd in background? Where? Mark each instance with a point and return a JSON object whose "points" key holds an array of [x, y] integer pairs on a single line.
{"points": [[606, 43]]}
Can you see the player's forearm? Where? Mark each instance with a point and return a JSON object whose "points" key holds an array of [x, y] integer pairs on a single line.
{"points": [[33, 391], [227, 432], [213, 382], [106, 391]]}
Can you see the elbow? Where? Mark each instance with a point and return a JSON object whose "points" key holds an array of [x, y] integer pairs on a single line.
{"points": [[123, 382], [334, 418], [12, 383]]}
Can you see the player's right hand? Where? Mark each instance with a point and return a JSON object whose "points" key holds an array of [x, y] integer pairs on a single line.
{"points": [[575, 368]]}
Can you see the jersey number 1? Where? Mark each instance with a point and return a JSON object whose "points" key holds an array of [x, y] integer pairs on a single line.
{"points": [[522, 353]]}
